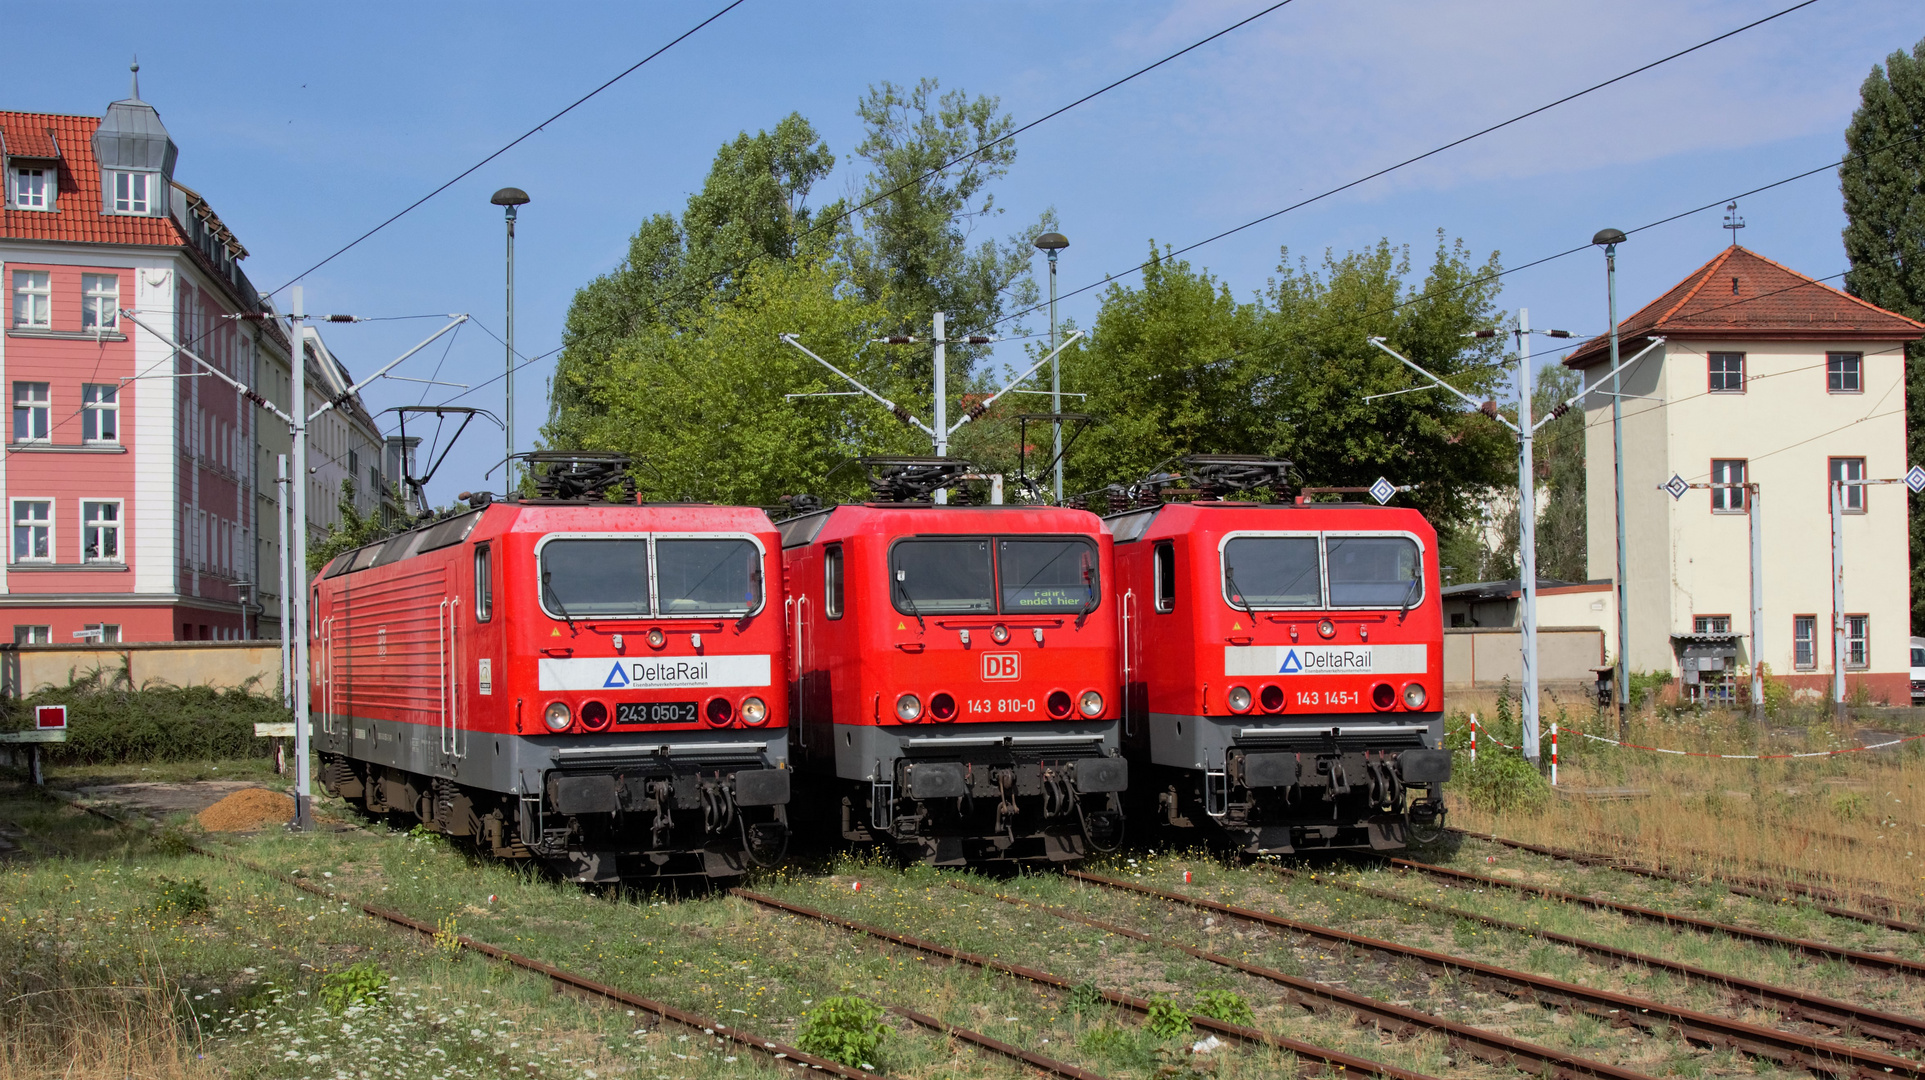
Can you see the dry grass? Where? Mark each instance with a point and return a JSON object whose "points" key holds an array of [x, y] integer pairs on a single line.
{"points": [[97, 1033], [1849, 822]]}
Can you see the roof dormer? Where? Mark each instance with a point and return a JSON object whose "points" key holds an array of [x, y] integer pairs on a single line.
{"points": [[31, 157], [136, 157]]}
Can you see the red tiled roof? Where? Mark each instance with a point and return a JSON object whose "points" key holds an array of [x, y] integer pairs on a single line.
{"points": [[1743, 296], [77, 216], [29, 142]]}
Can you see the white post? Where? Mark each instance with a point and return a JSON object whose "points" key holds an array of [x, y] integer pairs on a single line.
{"points": [[280, 513], [1838, 598], [942, 400], [297, 557], [1757, 606], [1553, 753], [1527, 532], [1055, 385], [1473, 738]]}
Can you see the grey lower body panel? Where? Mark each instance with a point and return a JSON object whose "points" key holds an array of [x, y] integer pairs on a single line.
{"points": [[1202, 742]]}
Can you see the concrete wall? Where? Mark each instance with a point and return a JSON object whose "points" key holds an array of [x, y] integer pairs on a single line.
{"points": [[1482, 657], [220, 664]]}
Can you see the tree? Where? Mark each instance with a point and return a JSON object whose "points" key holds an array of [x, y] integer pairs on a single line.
{"points": [[354, 530], [1559, 456], [752, 207], [1883, 179]]}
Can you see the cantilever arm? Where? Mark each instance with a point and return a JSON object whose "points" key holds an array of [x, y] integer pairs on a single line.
{"points": [[900, 412], [1581, 394], [1472, 402], [982, 406]]}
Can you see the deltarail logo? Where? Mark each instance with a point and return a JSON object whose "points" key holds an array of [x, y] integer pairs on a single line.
{"points": [[1325, 661], [610, 673], [669, 673], [1257, 661]]}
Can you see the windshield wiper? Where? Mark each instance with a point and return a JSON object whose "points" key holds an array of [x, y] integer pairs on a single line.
{"points": [[1089, 583], [548, 590], [902, 586], [1230, 579], [1410, 594]]}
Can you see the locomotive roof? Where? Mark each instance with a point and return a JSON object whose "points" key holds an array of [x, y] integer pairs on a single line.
{"points": [[1126, 526], [434, 535], [910, 518]]}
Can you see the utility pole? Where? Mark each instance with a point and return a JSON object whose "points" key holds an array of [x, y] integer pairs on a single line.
{"points": [[1838, 598], [1757, 608], [297, 560], [1527, 530], [941, 433], [280, 512], [508, 199], [1611, 238], [1053, 242]]}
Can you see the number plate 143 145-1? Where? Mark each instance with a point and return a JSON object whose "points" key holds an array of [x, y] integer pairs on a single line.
{"points": [[655, 712]]}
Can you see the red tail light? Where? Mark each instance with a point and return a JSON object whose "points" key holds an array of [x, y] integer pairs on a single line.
{"points": [[942, 707], [594, 715], [1060, 703], [1383, 695], [1271, 698], [719, 711]]}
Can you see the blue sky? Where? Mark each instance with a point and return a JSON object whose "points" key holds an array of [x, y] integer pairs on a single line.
{"points": [[305, 126]]}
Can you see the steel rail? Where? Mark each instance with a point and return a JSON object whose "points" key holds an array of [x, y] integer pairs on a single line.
{"points": [[1313, 995], [769, 1048], [1756, 887], [1903, 1031], [1819, 949], [1047, 1064], [1769, 1043], [1319, 1058]]}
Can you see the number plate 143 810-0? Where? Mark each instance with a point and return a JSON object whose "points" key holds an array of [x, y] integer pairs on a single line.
{"points": [[655, 712]]}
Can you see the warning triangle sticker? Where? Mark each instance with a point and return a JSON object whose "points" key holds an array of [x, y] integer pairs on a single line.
{"points": [[1291, 665], [615, 677], [554, 633], [1236, 625], [902, 626]]}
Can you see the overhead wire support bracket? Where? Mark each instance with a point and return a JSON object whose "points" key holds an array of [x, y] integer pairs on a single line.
{"points": [[453, 322], [982, 406], [1412, 365], [900, 413]]}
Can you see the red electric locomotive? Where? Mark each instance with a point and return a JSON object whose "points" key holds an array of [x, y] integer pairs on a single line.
{"points": [[584, 682], [955, 675], [1283, 662]]}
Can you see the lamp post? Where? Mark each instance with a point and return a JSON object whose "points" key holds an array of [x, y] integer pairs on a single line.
{"points": [[1053, 242], [508, 199], [1610, 239]]}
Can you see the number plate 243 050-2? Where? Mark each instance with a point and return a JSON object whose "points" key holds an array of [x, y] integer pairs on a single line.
{"points": [[655, 712]]}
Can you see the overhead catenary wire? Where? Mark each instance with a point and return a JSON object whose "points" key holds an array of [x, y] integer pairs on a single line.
{"points": [[518, 140]]}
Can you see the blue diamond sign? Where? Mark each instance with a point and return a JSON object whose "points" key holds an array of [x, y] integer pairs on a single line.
{"points": [[1382, 491], [1916, 479], [1676, 486]]}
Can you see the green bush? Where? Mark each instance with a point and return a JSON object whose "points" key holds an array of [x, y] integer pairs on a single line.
{"points": [[357, 984], [181, 899], [110, 723], [1646, 686], [1085, 997], [1225, 1005], [1166, 1021], [844, 1029], [1499, 780]]}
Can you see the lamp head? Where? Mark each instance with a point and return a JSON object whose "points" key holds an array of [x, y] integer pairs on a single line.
{"points": [[1052, 242], [510, 196], [1609, 236]]}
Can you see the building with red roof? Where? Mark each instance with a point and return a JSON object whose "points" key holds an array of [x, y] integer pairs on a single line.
{"points": [[1768, 378], [139, 490]]}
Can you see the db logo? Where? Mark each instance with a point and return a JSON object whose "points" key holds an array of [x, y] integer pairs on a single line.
{"points": [[1001, 666]]}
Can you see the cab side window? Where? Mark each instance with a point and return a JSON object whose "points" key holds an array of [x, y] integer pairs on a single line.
{"points": [[484, 583], [832, 582], [1165, 559]]}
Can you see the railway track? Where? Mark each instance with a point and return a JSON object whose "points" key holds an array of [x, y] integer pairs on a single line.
{"points": [[1321, 1060], [1902, 1031], [1785, 1048], [1819, 949], [1772, 889], [775, 1051]]}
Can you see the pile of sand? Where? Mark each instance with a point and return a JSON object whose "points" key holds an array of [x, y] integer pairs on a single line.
{"points": [[246, 810]]}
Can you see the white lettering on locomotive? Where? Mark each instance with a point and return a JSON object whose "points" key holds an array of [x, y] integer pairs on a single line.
{"points": [[1256, 661], [613, 674], [1002, 666]]}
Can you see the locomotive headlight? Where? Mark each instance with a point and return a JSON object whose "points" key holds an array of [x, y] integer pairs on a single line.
{"points": [[1239, 698], [1326, 629], [908, 708], [754, 712], [556, 717], [1091, 703], [657, 639], [1000, 634], [1414, 696]]}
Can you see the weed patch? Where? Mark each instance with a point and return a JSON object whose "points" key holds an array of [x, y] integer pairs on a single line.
{"points": [[181, 899], [844, 1029], [363, 984]]}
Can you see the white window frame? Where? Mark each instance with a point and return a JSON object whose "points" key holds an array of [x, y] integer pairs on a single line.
{"points": [[118, 526], [35, 634], [1807, 623], [1708, 624], [1729, 500], [37, 409], [136, 203], [47, 523], [1858, 642], [32, 300], [1846, 468], [95, 288], [1857, 362], [97, 416], [109, 632], [39, 201]]}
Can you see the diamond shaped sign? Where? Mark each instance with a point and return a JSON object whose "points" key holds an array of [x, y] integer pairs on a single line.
{"points": [[1382, 490], [1916, 479], [1676, 486]]}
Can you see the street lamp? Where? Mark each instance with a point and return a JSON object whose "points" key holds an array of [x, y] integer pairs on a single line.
{"points": [[1053, 242], [508, 198], [1609, 239]]}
